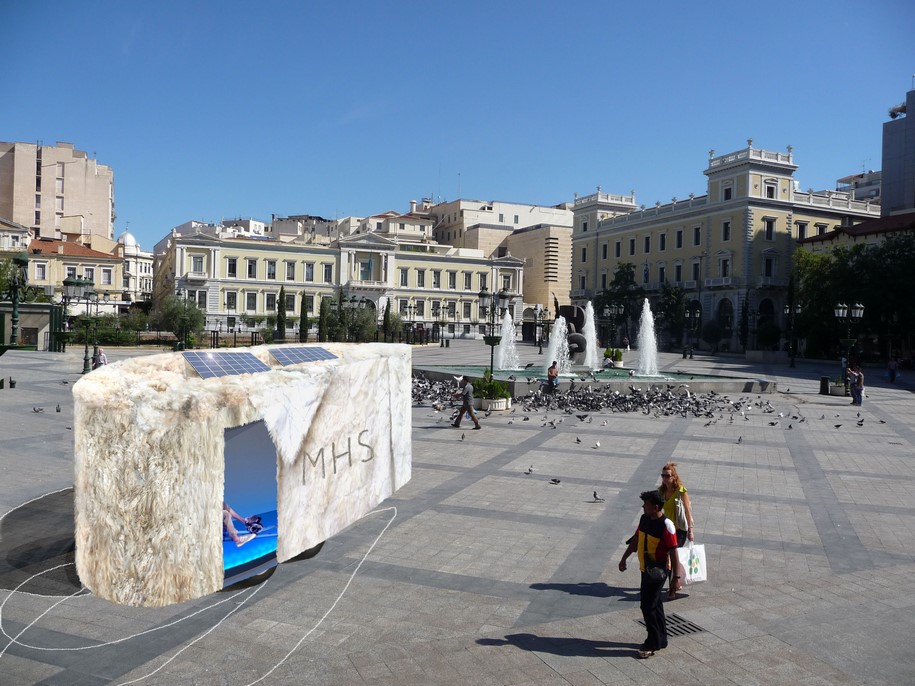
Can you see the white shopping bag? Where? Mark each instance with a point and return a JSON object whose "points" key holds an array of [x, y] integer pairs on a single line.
{"points": [[692, 560]]}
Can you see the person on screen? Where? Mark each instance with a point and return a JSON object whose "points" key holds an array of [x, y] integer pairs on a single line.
{"points": [[228, 514]]}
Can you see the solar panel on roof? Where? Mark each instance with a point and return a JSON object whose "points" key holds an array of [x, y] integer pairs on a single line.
{"points": [[211, 364], [287, 356]]}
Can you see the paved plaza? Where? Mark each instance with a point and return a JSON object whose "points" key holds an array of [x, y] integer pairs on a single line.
{"points": [[479, 573]]}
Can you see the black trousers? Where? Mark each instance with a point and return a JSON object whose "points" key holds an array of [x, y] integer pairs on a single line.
{"points": [[653, 612]]}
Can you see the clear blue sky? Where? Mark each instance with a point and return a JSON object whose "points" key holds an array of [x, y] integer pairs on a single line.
{"points": [[227, 109]]}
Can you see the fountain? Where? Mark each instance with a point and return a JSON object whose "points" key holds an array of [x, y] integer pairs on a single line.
{"points": [[559, 347], [592, 359], [648, 343], [506, 354]]}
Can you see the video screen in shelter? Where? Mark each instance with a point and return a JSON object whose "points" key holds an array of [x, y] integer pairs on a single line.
{"points": [[249, 503]]}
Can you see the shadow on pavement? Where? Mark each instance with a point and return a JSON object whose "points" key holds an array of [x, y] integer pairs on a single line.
{"points": [[594, 590], [563, 645]]}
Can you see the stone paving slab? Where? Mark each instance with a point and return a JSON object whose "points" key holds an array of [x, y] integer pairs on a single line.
{"points": [[487, 575]]}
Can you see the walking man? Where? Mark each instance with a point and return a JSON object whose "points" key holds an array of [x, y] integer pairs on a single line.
{"points": [[466, 404], [655, 540]]}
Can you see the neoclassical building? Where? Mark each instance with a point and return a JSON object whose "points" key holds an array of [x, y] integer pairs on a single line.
{"points": [[731, 244], [388, 258]]}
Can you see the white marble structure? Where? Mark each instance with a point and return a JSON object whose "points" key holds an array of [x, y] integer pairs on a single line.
{"points": [[149, 461]]}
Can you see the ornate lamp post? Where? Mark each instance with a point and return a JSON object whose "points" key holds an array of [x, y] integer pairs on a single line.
{"points": [[542, 315], [848, 316], [490, 303], [17, 287], [89, 295], [792, 344], [693, 317]]}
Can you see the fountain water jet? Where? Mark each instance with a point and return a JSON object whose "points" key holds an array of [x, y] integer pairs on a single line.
{"points": [[559, 347], [648, 343], [592, 360], [506, 353]]}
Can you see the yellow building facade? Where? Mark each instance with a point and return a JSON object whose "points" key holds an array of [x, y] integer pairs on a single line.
{"points": [[731, 245]]}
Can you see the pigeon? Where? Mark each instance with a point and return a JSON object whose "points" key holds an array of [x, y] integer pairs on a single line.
{"points": [[65, 382], [554, 482], [529, 365], [596, 445], [462, 437], [790, 426], [739, 440], [597, 499], [581, 417], [577, 439], [37, 409], [773, 423], [838, 426], [58, 407], [530, 470]]}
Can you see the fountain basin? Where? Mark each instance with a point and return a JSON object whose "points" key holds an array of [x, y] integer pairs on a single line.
{"points": [[616, 379]]}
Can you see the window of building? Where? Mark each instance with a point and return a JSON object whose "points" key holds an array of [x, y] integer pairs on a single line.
{"points": [[37, 217], [771, 190], [436, 278], [695, 271], [420, 278], [582, 282], [309, 303], [506, 282], [618, 250], [89, 274], [501, 218], [452, 309], [290, 271], [632, 246], [250, 302], [584, 225], [801, 230], [252, 268], [662, 242], [728, 192], [71, 272], [59, 204], [41, 271], [379, 226], [365, 270], [37, 201], [647, 246], [328, 273], [821, 229], [404, 276], [646, 274], [59, 187], [603, 281], [724, 266], [584, 254], [106, 276], [310, 272], [769, 266], [271, 270], [270, 302], [231, 267], [604, 251], [483, 280], [662, 274], [420, 309], [231, 300], [678, 273], [466, 306], [516, 219], [290, 302], [200, 297], [769, 223], [468, 281], [697, 235], [725, 231], [230, 324], [197, 264], [679, 241]]}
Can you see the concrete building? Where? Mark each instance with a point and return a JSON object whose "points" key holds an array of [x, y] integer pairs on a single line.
{"points": [[137, 270], [730, 245], [13, 237], [57, 191], [898, 191], [862, 186], [51, 261]]}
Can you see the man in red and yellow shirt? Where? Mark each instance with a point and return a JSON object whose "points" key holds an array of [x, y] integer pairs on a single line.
{"points": [[655, 540]]}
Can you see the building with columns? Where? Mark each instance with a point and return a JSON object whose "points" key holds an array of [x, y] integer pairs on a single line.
{"points": [[730, 245]]}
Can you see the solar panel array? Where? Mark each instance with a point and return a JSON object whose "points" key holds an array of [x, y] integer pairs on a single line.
{"points": [[287, 356], [212, 364]]}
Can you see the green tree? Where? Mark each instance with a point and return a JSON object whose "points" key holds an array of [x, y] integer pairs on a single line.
{"points": [[324, 320], [134, 320], [671, 311], [180, 316], [622, 290], [303, 318], [387, 320], [281, 314]]}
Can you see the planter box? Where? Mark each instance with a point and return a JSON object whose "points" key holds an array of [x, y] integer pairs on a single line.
{"points": [[494, 404], [837, 390]]}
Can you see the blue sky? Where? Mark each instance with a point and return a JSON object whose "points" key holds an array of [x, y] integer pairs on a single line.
{"points": [[244, 109]]}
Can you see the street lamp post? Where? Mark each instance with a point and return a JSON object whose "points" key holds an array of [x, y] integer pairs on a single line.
{"points": [[848, 316], [490, 303], [17, 280], [90, 295], [692, 325], [792, 344], [542, 314]]}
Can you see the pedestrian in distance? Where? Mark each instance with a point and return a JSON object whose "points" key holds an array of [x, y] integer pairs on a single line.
{"points": [[677, 508], [655, 540], [552, 377], [466, 393]]}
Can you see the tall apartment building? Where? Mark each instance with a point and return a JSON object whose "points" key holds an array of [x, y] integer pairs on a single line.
{"points": [[57, 191], [730, 245], [898, 192]]}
